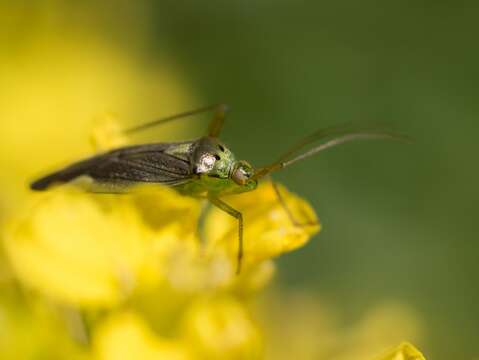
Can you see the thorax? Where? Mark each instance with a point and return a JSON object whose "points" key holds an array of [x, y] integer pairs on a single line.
{"points": [[206, 185]]}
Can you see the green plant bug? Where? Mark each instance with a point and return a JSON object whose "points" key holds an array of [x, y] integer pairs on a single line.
{"points": [[203, 168]]}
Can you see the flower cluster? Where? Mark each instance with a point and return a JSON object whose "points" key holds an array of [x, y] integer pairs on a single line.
{"points": [[137, 274], [133, 276], [90, 276], [138, 260]]}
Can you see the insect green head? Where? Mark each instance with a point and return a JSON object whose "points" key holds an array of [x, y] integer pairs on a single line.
{"points": [[211, 157]]}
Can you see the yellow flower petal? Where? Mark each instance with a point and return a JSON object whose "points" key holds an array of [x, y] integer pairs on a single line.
{"points": [[222, 329], [160, 206], [255, 278], [268, 230], [404, 351], [313, 329], [107, 134], [28, 328], [89, 249], [127, 337]]}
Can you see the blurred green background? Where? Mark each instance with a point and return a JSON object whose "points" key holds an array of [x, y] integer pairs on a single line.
{"points": [[399, 221]]}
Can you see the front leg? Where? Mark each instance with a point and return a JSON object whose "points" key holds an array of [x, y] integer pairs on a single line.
{"points": [[237, 215]]}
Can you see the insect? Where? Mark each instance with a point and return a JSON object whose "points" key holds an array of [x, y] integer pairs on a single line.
{"points": [[203, 168]]}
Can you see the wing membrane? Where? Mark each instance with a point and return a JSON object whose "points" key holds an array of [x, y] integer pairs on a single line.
{"points": [[149, 163]]}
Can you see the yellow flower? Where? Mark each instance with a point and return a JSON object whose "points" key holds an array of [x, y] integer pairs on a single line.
{"points": [[313, 329], [221, 329], [180, 298], [95, 249], [268, 230], [91, 251], [107, 133], [127, 337], [31, 330], [404, 351], [215, 328]]}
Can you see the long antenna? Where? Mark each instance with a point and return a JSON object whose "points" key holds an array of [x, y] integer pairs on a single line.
{"points": [[341, 140], [344, 138], [317, 135], [171, 118]]}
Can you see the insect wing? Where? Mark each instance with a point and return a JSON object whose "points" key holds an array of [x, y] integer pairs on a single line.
{"points": [[164, 163]]}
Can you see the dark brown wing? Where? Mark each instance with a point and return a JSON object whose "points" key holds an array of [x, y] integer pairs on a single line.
{"points": [[164, 163]]}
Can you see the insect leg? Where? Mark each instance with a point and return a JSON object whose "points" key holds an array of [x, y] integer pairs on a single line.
{"points": [[218, 120], [77, 325], [236, 214], [202, 220], [283, 203]]}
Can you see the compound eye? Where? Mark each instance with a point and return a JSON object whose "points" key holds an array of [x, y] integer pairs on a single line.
{"points": [[240, 176], [206, 163]]}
